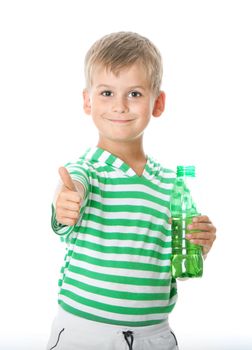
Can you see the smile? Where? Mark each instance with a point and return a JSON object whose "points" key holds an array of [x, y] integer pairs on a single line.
{"points": [[120, 121]]}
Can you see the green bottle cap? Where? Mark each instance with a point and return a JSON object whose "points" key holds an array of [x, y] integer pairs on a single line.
{"points": [[186, 170]]}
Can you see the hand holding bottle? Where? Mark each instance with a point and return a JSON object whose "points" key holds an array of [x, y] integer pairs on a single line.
{"points": [[187, 258], [205, 234]]}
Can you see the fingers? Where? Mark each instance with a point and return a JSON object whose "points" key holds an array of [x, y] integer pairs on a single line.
{"points": [[67, 217], [205, 233], [68, 196], [202, 223], [66, 179], [202, 238], [67, 212], [68, 203], [202, 218], [66, 221], [201, 232], [68, 206], [201, 227]]}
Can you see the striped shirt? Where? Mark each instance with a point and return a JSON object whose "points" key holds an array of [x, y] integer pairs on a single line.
{"points": [[117, 265]]}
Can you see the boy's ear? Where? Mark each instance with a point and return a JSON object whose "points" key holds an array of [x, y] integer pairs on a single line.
{"points": [[86, 101], [159, 105]]}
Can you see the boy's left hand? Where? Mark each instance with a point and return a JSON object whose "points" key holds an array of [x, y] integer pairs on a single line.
{"points": [[206, 234]]}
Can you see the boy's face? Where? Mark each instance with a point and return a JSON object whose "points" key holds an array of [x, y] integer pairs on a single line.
{"points": [[121, 105]]}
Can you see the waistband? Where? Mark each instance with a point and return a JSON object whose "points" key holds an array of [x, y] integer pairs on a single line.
{"points": [[103, 329]]}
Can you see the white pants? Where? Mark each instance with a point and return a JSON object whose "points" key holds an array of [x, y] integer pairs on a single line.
{"points": [[70, 332]]}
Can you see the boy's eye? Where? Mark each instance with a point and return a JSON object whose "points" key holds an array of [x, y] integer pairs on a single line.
{"points": [[135, 94], [106, 93]]}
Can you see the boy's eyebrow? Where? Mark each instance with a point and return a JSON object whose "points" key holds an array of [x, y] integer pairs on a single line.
{"points": [[111, 87]]}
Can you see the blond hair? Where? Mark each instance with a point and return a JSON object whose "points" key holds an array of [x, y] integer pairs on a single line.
{"points": [[123, 49]]}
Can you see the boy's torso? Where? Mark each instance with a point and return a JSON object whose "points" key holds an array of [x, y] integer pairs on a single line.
{"points": [[117, 267]]}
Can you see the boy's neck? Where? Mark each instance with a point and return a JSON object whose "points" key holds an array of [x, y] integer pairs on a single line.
{"points": [[131, 153]]}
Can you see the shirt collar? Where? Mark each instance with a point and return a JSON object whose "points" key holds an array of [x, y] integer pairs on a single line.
{"points": [[97, 154]]}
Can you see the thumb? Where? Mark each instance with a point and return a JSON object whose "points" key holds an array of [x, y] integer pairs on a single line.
{"points": [[66, 179]]}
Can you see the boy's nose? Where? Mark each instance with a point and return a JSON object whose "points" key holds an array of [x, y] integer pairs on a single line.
{"points": [[120, 106]]}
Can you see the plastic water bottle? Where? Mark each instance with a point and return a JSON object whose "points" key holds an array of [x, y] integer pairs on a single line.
{"points": [[187, 260]]}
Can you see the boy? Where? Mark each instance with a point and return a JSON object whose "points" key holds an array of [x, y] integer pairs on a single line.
{"points": [[116, 289]]}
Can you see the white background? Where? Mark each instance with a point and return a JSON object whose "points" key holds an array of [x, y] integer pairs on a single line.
{"points": [[207, 53]]}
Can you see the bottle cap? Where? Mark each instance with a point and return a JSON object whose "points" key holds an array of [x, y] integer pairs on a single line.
{"points": [[186, 170]]}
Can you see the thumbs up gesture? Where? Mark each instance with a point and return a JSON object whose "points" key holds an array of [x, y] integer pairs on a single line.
{"points": [[69, 199]]}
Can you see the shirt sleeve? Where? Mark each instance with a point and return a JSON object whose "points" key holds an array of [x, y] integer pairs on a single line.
{"points": [[78, 172]]}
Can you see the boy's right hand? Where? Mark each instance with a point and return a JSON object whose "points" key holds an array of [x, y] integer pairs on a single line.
{"points": [[69, 200]]}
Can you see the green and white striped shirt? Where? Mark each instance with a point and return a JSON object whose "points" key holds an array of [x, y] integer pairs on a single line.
{"points": [[117, 265]]}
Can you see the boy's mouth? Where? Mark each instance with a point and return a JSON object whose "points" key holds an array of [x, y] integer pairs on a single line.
{"points": [[120, 121]]}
